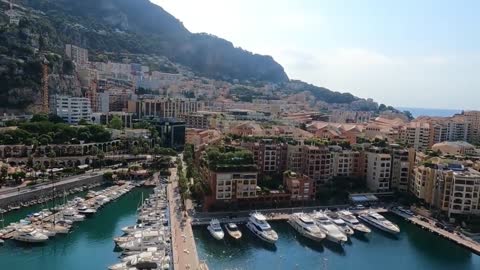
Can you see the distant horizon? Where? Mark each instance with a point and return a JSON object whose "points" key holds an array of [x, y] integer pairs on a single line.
{"points": [[374, 49], [434, 112]]}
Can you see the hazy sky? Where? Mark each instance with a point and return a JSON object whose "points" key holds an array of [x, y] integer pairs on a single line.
{"points": [[417, 53]]}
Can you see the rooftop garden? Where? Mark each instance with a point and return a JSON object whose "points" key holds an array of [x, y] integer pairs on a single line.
{"points": [[229, 158]]}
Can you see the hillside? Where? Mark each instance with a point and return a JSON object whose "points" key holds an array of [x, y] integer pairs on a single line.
{"points": [[142, 27], [111, 29]]}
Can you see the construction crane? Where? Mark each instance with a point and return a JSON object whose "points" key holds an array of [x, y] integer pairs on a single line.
{"points": [[45, 98], [92, 94]]}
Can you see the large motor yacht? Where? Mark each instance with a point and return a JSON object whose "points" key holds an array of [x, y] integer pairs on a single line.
{"points": [[306, 226], [30, 235], [233, 230], [257, 223], [379, 222], [344, 227], [84, 210], [353, 222], [331, 230], [215, 229]]}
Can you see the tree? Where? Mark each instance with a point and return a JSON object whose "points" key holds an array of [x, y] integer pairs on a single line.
{"points": [[39, 118], [3, 173], [100, 157], [83, 122], [116, 123], [108, 176]]}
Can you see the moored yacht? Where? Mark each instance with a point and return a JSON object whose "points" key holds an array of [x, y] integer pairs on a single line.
{"points": [[331, 230], [71, 214], [29, 235], [353, 222], [84, 210], [233, 230], [306, 226], [340, 223], [215, 229], [257, 223], [379, 222]]}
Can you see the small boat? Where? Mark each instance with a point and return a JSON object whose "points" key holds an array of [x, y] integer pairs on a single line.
{"points": [[306, 226], [233, 230], [353, 222], [215, 229], [2, 242], [331, 230], [258, 225], [29, 235], [379, 222]]}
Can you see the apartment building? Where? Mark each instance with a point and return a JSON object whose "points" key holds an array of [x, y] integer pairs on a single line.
{"points": [[200, 120], [72, 109], [77, 54], [294, 158], [299, 186], [317, 163], [378, 171], [346, 163], [473, 119], [270, 156], [400, 173], [417, 135], [164, 107], [465, 193]]}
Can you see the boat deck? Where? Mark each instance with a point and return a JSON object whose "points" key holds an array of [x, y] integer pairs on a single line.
{"points": [[456, 238], [59, 214]]}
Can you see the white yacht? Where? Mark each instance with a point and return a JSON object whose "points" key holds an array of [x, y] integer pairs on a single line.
{"points": [[257, 223], [379, 222], [215, 229], [233, 230], [306, 226], [2, 242], [84, 210], [142, 245], [30, 235], [72, 215], [353, 222], [331, 230], [340, 223]]}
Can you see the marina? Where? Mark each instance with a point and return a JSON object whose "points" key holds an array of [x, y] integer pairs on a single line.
{"points": [[413, 248], [46, 221]]}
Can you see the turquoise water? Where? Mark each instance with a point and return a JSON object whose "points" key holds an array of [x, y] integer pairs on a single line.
{"points": [[413, 249], [89, 245]]}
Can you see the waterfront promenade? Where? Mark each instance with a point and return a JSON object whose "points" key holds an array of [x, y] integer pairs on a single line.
{"points": [[183, 243], [459, 239]]}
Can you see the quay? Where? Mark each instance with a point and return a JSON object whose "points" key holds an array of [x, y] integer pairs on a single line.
{"points": [[17, 195], [11, 233], [183, 243], [279, 214], [458, 239]]}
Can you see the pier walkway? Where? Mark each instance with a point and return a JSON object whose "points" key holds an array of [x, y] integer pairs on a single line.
{"points": [[429, 225], [184, 248], [278, 214], [59, 214]]}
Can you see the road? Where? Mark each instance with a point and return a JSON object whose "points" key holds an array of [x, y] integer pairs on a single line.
{"points": [[5, 193], [184, 248]]}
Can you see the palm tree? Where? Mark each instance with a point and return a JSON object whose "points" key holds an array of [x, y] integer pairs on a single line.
{"points": [[100, 157]]}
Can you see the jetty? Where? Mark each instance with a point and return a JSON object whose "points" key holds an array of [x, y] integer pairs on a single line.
{"points": [[429, 225]]}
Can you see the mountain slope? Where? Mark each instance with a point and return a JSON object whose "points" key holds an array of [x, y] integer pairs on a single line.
{"points": [[147, 28]]}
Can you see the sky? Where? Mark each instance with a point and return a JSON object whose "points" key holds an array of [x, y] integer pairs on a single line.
{"points": [[409, 53]]}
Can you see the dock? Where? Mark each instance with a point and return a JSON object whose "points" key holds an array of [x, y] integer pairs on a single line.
{"points": [[280, 214], [458, 239], [183, 243], [10, 234]]}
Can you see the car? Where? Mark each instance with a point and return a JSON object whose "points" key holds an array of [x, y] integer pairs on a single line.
{"points": [[424, 219]]}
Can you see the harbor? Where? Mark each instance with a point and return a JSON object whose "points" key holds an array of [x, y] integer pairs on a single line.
{"points": [[59, 220], [412, 248]]}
